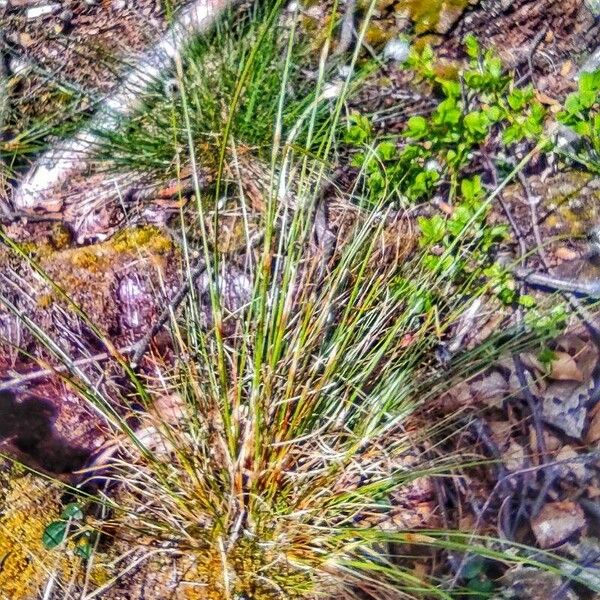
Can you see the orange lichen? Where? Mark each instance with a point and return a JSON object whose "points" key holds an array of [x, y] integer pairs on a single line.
{"points": [[85, 259]]}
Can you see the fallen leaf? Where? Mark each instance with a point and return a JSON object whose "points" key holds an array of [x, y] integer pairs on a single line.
{"points": [[593, 434], [557, 522], [514, 456], [491, 389], [583, 351], [565, 253], [545, 99], [564, 368], [566, 68]]}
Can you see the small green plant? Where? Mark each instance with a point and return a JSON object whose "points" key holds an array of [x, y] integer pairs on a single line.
{"points": [[445, 154], [582, 115], [483, 107], [478, 584], [70, 527]]}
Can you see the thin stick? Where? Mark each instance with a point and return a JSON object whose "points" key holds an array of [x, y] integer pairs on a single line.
{"points": [[347, 30], [48, 372], [141, 346], [569, 295]]}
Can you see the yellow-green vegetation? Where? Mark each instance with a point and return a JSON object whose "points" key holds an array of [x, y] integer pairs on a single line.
{"points": [[433, 15], [429, 18], [28, 503], [145, 239], [76, 269], [290, 440]]}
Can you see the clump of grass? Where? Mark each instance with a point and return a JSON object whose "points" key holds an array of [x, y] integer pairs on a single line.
{"points": [[274, 454], [214, 72]]}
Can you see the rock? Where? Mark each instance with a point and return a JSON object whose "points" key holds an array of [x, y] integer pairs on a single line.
{"points": [[593, 7], [565, 406], [66, 16], [137, 302], [529, 583], [557, 522], [18, 67], [35, 12], [396, 50], [592, 63]]}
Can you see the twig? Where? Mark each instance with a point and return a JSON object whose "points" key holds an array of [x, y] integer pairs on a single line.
{"points": [[48, 372], [505, 208], [4, 206], [73, 155], [347, 31], [531, 53], [569, 295], [141, 346], [591, 289]]}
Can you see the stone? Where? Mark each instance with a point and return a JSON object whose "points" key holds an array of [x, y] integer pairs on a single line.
{"points": [[557, 522], [397, 50]]}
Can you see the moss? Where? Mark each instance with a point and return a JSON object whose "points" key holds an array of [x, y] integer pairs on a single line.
{"points": [[433, 15], [85, 259], [244, 561], [45, 300], [151, 239], [378, 33], [60, 237], [29, 505]]}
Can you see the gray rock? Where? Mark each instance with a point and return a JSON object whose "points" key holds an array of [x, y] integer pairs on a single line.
{"points": [[36, 12], [594, 7], [592, 63], [397, 50]]}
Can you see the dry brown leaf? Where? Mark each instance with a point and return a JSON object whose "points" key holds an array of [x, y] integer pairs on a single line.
{"points": [[583, 351], [566, 68], [514, 456], [564, 368], [491, 389], [593, 434], [565, 253], [545, 99]]}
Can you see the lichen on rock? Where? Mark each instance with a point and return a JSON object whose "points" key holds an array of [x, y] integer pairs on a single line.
{"points": [[28, 505]]}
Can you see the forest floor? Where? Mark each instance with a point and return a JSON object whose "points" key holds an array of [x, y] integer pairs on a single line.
{"points": [[473, 145]]}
